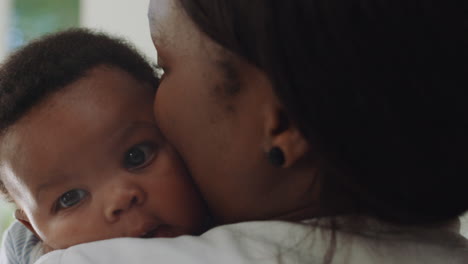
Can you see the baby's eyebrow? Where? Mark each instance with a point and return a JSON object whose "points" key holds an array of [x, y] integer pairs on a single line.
{"points": [[122, 132], [127, 131], [49, 184]]}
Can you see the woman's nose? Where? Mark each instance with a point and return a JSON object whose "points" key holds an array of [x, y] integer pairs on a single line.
{"points": [[122, 198]]}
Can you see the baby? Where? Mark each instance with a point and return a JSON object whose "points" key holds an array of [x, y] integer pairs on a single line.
{"points": [[81, 156]]}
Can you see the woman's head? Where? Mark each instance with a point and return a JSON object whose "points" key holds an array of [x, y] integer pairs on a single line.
{"points": [[223, 118], [375, 89]]}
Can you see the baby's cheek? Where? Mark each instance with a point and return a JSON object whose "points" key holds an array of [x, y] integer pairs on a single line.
{"points": [[61, 235], [73, 230]]}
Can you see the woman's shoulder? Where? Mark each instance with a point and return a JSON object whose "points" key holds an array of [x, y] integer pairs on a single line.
{"points": [[265, 242], [242, 243], [340, 240]]}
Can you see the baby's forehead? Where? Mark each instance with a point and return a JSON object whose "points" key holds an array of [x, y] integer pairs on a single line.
{"points": [[100, 85], [84, 113]]}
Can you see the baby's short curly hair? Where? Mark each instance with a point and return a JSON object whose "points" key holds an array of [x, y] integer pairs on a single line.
{"points": [[50, 63]]}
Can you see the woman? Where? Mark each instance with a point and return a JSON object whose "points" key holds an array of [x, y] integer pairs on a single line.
{"points": [[344, 119]]}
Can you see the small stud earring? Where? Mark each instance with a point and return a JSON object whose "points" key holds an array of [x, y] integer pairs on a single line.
{"points": [[276, 157]]}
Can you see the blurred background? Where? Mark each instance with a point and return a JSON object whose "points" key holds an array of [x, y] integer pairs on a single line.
{"points": [[24, 20]]}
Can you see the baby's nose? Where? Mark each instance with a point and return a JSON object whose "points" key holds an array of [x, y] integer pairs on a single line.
{"points": [[123, 198]]}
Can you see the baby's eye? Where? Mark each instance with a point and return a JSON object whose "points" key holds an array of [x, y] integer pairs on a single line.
{"points": [[138, 156], [71, 198]]}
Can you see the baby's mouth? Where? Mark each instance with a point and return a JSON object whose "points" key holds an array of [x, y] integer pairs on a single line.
{"points": [[162, 231], [148, 230], [149, 234]]}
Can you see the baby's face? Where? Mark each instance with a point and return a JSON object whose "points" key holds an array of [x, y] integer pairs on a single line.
{"points": [[90, 164]]}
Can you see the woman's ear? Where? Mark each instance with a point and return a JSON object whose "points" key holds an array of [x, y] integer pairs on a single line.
{"points": [[23, 219], [293, 144], [285, 135]]}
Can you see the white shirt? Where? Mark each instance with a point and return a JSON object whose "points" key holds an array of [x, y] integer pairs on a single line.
{"points": [[20, 246], [277, 242]]}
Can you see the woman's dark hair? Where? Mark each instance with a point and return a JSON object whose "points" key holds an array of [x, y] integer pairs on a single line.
{"points": [[50, 63], [377, 87]]}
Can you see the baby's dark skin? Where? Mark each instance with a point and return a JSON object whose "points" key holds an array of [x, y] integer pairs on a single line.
{"points": [[96, 166]]}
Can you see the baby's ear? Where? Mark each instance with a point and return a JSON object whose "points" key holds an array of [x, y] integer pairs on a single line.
{"points": [[23, 219]]}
